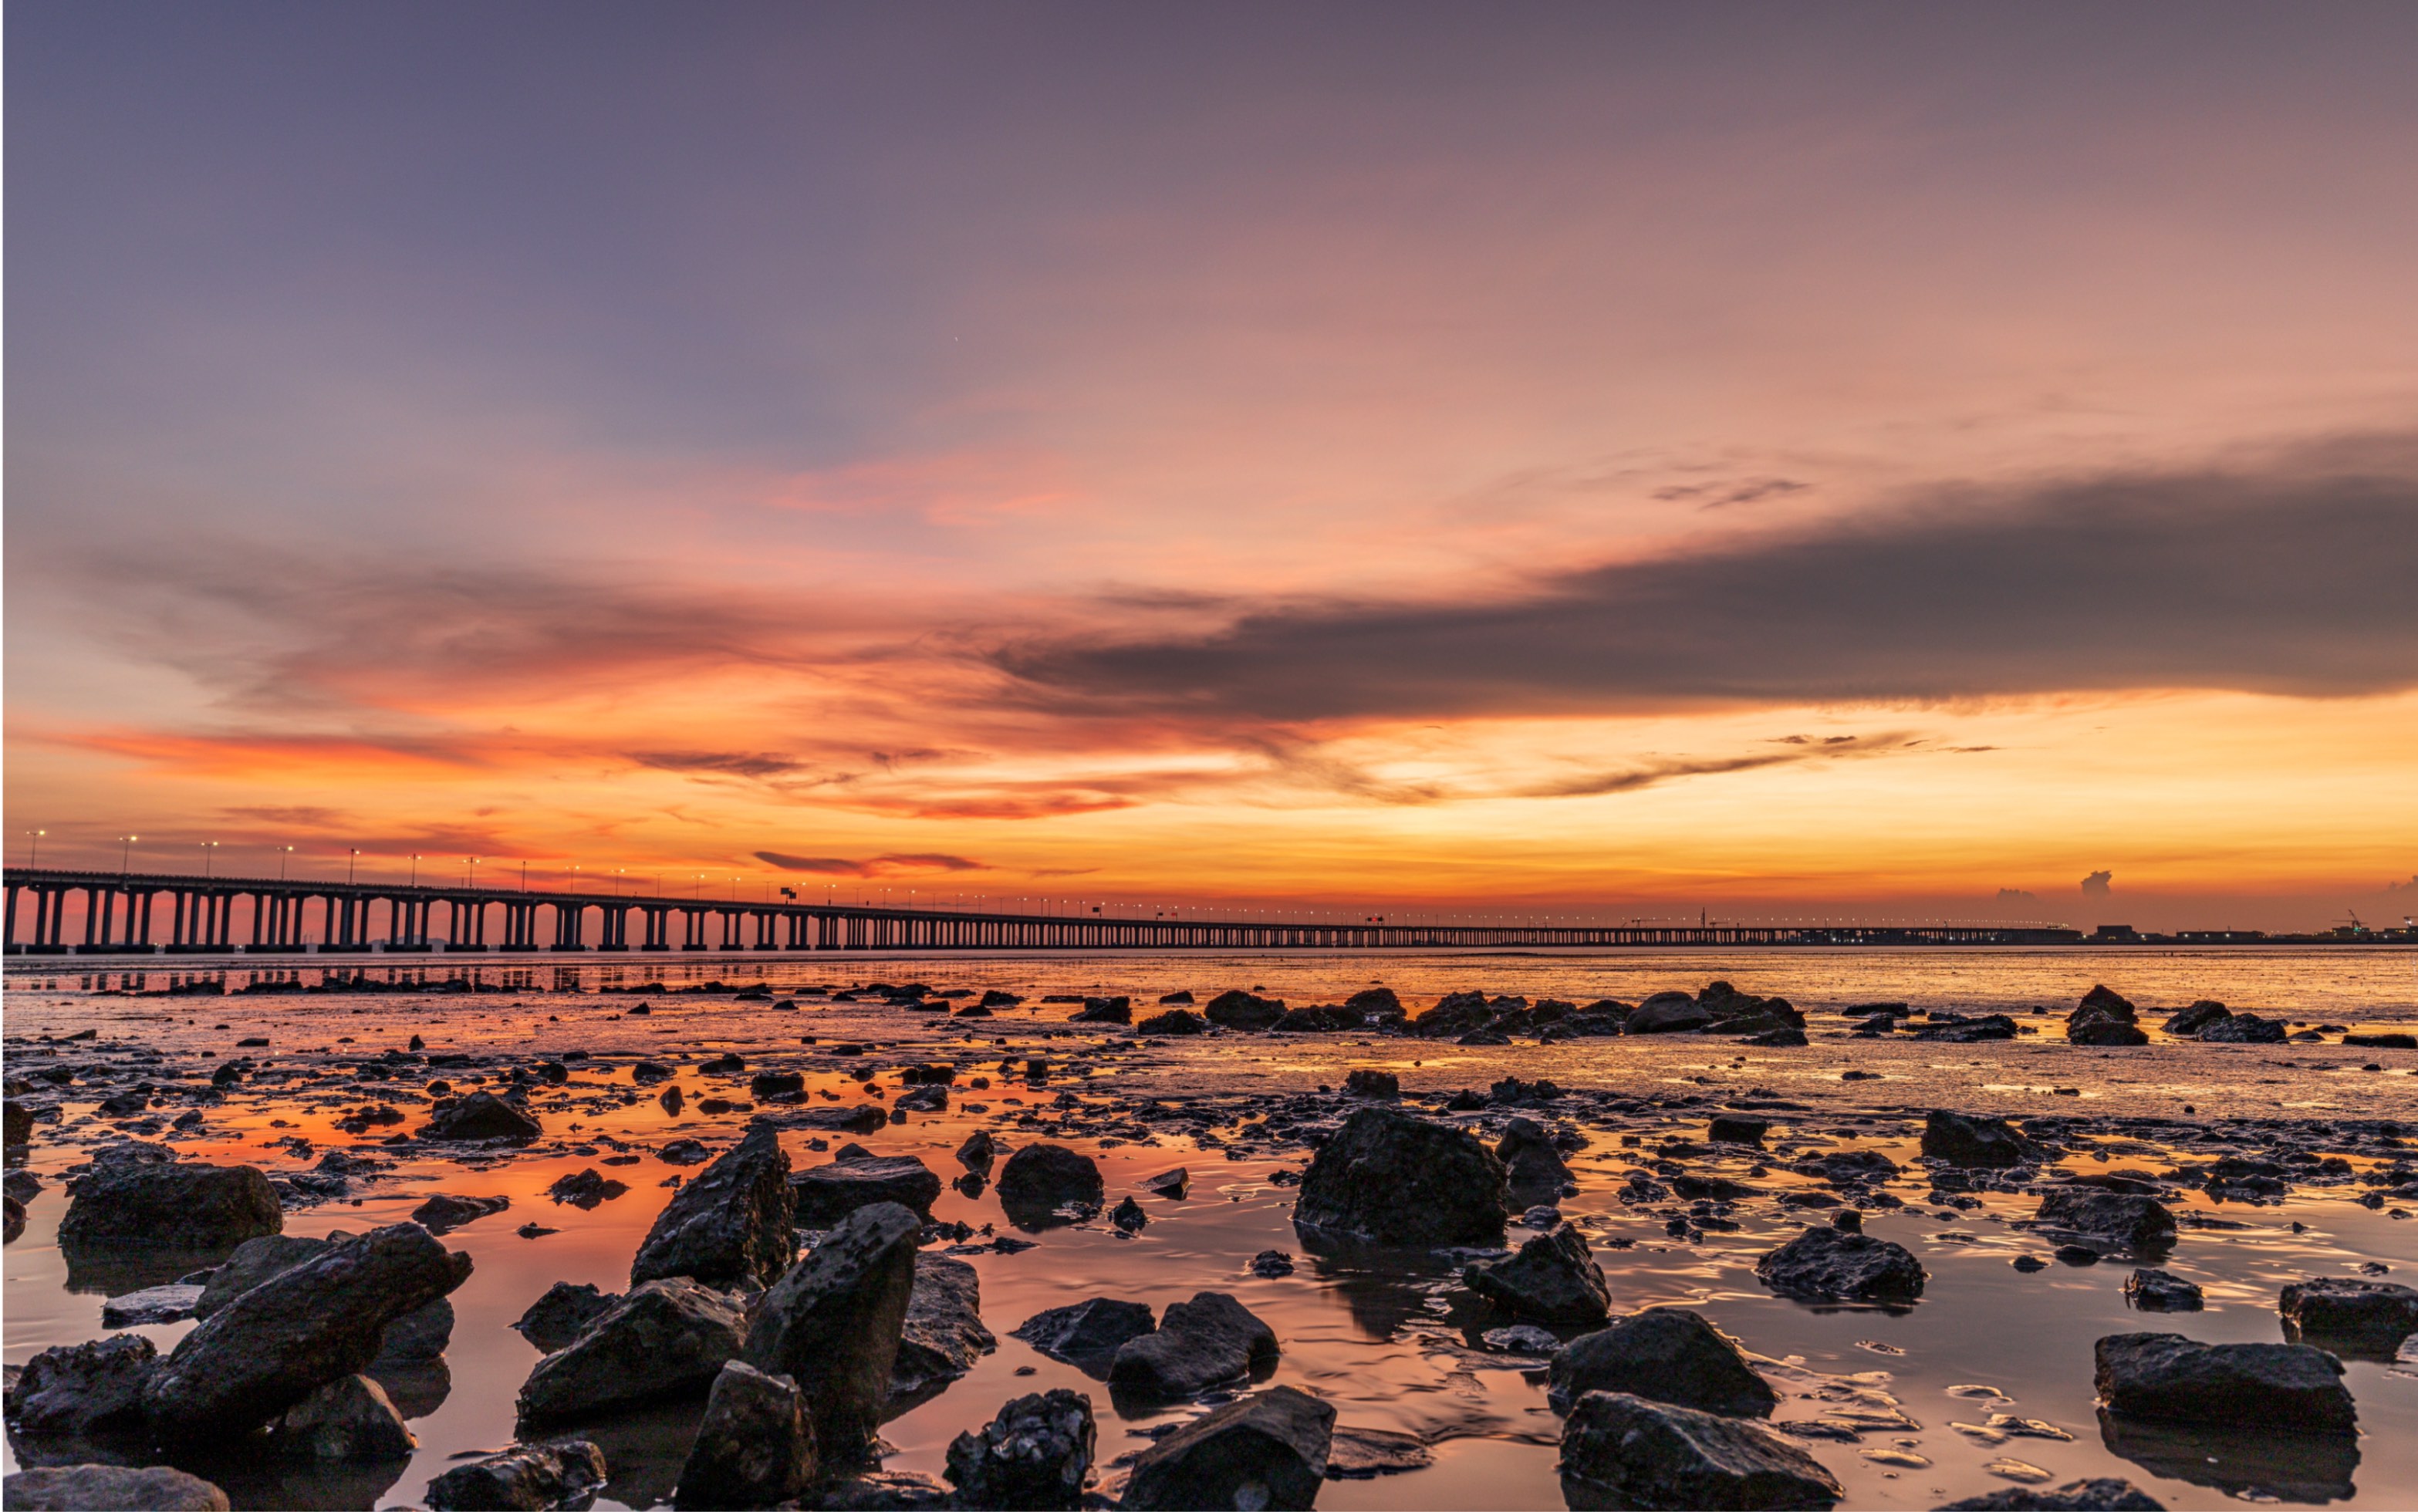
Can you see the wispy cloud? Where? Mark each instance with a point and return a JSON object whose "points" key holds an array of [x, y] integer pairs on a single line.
{"points": [[887, 865]]}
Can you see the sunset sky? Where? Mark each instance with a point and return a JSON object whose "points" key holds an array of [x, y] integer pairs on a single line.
{"points": [[1614, 461]]}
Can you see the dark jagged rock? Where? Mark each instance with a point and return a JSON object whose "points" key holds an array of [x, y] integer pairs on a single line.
{"points": [[350, 1418], [1620, 1450], [315, 1322], [1455, 1013], [1554, 1278], [527, 1479], [2126, 1220], [2292, 1387], [1731, 1128], [884, 1490], [767, 1085], [1376, 1005], [557, 1319], [1088, 1333], [18, 1119], [1364, 1454], [481, 1116], [2155, 1291], [1667, 1013], [443, 1213], [1366, 1083], [664, 1339], [978, 1150], [1532, 1166], [2105, 1000], [1242, 1010], [1833, 1262], [585, 1189], [1035, 1453], [1968, 1140], [416, 1336], [1041, 1178], [2105, 1032], [170, 1207], [754, 1447], [1128, 1216], [2106, 1493], [943, 1335], [1391, 1178], [2245, 1029], [848, 1118], [1268, 1450], [83, 1487], [254, 1261], [1175, 1022], [734, 1225], [2382, 1041], [2199, 1017], [827, 1194], [1105, 1011], [2365, 1316], [152, 1305], [832, 1324], [1208, 1342], [83, 1389], [1965, 1030], [1667, 1354]]}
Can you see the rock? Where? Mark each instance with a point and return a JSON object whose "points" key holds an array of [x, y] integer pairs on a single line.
{"points": [[1128, 1216], [16, 1122], [1376, 1004], [1271, 1263], [254, 1261], [1209, 1342], [832, 1324], [2155, 1291], [1039, 1179], [1172, 1184], [1667, 1013], [1175, 1022], [1242, 1010], [1730, 1128], [1553, 1278], [560, 1316], [754, 1447], [1776, 1038], [1965, 1030], [978, 1150], [733, 1225], [827, 1194], [766, 1085], [2291, 1387], [943, 1335], [2384, 1042], [481, 1116], [1620, 1450], [2122, 1219], [1391, 1178], [2372, 1316], [585, 1189], [14, 1219], [1088, 1333], [2105, 1494], [83, 1389], [2105, 1032], [350, 1418], [1833, 1262], [83, 1487], [2245, 1029], [664, 1338], [1966, 1140], [1665, 1354], [1366, 1083], [1325, 1018], [852, 1117], [443, 1213], [1037, 1453], [527, 1479], [1364, 1454], [2107, 1001], [2199, 1017], [1105, 1011], [318, 1322], [1532, 1167], [884, 1490], [1268, 1450], [170, 1207], [152, 1305]]}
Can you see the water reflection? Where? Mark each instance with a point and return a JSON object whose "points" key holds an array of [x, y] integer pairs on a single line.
{"points": [[2292, 1467]]}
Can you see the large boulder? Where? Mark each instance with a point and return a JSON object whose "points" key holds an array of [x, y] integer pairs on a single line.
{"points": [[527, 1479], [2291, 1387], [2123, 1220], [83, 1389], [1088, 1333], [1554, 1278], [2363, 1317], [1964, 1139], [1210, 1342], [943, 1335], [2103, 1018], [351, 1418], [255, 1261], [832, 1324], [170, 1207], [1391, 1178], [1035, 1453], [481, 1116], [1238, 1009], [1837, 1264], [732, 1225], [2106, 1493], [2196, 1018], [857, 1179], [320, 1321], [1620, 1450], [1667, 1013], [1267, 1450], [664, 1338], [554, 1320], [755, 1447], [83, 1487], [1040, 1178], [1665, 1354]]}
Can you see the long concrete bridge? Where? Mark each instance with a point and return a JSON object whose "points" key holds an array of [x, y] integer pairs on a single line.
{"points": [[121, 913]]}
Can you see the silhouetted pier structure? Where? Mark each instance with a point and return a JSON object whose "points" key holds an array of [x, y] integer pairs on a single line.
{"points": [[143, 914]]}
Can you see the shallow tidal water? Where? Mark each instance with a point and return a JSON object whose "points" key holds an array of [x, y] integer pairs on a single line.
{"points": [[1905, 1395]]}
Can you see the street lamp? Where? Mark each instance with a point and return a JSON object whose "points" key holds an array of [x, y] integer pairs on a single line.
{"points": [[283, 852], [474, 872], [415, 868], [126, 853], [37, 834], [210, 849], [351, 857]]}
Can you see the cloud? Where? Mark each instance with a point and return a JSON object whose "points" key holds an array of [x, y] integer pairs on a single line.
{"points": [[2293, 578], [1648, 774], [2015, 894], [2099, 885], [300, 816], [894, 865], [1718, 496], [731, 763]]}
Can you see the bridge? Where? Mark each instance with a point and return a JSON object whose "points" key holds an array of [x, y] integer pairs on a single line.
{"points": [[136, 913]]}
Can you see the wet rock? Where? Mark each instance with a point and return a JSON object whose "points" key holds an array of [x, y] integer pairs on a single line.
{"points": [[2122, 1219], [17, 1122], [2199, 1017], [14, 1219], [978, 1150], [2365, 1317], [1391, 1178], [1668, 1012], [1833, 1262], [1128, 1216], [1088, 1333], [2106, 1493], [481, 1116], [1175, 1022], [2245, 1029], [554, 1320], [1731, 1128], [83, 1389], [527, 1479], [1620, 1450], [1269, 1450], [1037, 1453], [1364, 1453], [152, 1305], [416, 1336], [1665, 1354], [1242, 1010], [254, 1261], [943, 1335], [1523, 1338], [83, 1487], [884, 1490], [1105, 1011], [1209, 1342], [832, 1324], [1376, 1004], [767, 1085], [1953, 1031], [2291, 1387], [318, 1322], [1041, 1178], [755, 1447], [1967, 1140], [1553, 1278], [159, 1206], [585, 1189], [2384, 1042], [827, 1194], [349, 1418], [1271, 1263], [1325, 1019], [733, 1225], [443, 1213], [1532, 1166], [664, 1338], [1367, 1083], [2154, 1291]]}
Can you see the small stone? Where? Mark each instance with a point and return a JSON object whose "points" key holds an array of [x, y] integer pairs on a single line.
{"points": [[1553, 1278], [1128, 1216], [2154, 1291], [531, 1478], [1364, 1453], [444, 1213], [1035, 1453], [2366, 1315], [1271, 1263], [152, 1305], [1088, 1333], [481, 1116], [2105, 1494]]}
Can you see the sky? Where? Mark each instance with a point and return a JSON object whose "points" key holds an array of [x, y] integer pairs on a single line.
{"points": [[1655, 461]]}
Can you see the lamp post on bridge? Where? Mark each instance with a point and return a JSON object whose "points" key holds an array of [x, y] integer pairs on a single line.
{"points": [[415, 868], [350, 858], [209, 852], [36, 858], [283, 852], [126, 854]]}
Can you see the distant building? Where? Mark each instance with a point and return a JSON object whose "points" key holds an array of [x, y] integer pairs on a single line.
{"points": [[2220, 936], [2115, 935]]}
